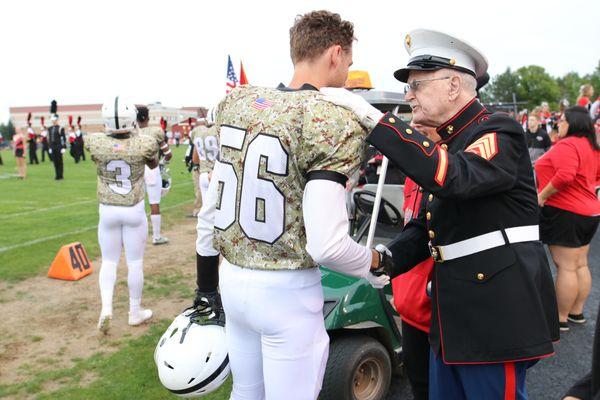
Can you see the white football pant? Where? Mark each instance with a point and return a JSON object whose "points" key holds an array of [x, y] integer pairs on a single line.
{"points": [[122, 227], [275, 331], [153, 182], [203, 185]]}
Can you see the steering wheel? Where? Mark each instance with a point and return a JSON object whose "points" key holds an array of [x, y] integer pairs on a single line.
{"points": [[388, 214]]}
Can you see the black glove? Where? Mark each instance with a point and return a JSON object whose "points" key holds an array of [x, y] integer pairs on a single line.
{"points": [[386, 262]]}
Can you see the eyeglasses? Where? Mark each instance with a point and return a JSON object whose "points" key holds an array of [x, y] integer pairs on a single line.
{"points": [[414, 85]]}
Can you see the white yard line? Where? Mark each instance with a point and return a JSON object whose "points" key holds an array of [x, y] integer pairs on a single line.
{"points": [[20, 214], [18, 201], [81, 230], [37, 210], [36, 241]]}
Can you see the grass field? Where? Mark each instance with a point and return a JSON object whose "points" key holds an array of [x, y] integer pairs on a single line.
{"points": [[39, 215]]}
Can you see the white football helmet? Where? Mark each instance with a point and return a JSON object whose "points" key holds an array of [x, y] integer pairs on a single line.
{"points": [[119, 115], [192, 359], [211, 116]]}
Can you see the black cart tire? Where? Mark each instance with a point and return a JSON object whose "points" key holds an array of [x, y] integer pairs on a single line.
{"points": [[358, 368]]}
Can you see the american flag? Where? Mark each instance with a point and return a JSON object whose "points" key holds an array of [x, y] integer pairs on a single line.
{"points": [[261, 103], [117, 147], [232, 80]]}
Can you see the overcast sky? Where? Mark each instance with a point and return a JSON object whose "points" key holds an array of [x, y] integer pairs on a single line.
{"points": [[176, 51]]}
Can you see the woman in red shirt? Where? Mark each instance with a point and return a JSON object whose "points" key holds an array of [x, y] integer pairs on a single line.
{"points": [[19, 147], [586, 93], [566, 178]]}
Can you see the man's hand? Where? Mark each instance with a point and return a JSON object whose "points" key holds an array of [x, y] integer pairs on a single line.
{"points": [[62, 151], [382, 261], [368, 115]]}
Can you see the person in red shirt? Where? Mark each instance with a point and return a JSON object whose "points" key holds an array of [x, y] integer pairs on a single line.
{"points": [[19, 148], [411, 299], [586, 92], [566, 176]]}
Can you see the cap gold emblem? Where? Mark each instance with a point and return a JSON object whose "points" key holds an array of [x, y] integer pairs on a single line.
{"points": [[452, 61], [450, 129], [409, 131], [480, 276], [407, 41], [426, 143], [392, 120]]}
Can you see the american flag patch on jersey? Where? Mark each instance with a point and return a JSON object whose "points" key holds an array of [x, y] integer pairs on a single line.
{"points": [[261, 103], [117, 147]]}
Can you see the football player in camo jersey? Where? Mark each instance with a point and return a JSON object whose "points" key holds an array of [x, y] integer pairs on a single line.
{"points": [[121, 155], [206, 152], [277, 203], [152, 176]]}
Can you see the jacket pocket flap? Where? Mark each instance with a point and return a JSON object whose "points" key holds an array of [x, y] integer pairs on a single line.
{"points": [[480, 267]]}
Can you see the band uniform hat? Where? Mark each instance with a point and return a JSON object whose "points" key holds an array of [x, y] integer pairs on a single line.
{"points": [[432, 50]]}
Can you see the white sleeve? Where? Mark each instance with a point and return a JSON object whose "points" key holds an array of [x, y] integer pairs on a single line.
{"points": [[206, 219], [326, 224]]}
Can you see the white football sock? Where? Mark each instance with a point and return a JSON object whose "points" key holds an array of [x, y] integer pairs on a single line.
{"points": [[135, 283], [106, 280], [155, 225]]}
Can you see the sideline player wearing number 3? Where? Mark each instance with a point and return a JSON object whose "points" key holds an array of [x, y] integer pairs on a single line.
{"points": [[277, 201], [120, 155]]}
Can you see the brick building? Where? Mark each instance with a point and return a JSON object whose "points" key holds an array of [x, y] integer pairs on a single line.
{"points": [[91, 116]]}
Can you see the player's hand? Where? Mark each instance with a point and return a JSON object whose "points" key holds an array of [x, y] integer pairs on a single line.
{"points": [[62, 151], [368, 115], [49, 151], [385, 263], [378, 282]]}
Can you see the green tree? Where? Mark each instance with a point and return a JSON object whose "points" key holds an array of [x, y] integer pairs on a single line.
{"points": [[536, 85], [569, 86], [7, 130], [501, 88]]}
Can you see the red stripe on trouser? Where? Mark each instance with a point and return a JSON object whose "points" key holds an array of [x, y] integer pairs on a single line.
{"points": [[510, 385]]}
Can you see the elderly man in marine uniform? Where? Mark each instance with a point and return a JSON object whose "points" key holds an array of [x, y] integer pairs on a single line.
{"points": [[494, 307]]}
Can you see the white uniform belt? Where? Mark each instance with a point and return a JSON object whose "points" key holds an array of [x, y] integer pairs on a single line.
{"points": [[484, 242]]}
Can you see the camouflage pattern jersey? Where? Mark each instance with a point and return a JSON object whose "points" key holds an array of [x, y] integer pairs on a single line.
{"points": [[120, 164], [270, 141], [206, 145], [155, 132]]}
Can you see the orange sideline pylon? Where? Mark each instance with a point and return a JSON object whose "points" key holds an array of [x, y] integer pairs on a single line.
{"points": [[71, 263]]}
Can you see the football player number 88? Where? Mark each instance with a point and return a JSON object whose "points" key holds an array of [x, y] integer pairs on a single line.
{"points": [[123, 184], [261, 203]]}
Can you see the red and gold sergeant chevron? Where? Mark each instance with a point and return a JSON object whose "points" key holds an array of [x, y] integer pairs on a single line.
{"points": [[485, 147]]}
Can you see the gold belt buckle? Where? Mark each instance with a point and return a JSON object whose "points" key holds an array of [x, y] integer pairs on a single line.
{"points": [[436, 253]]}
